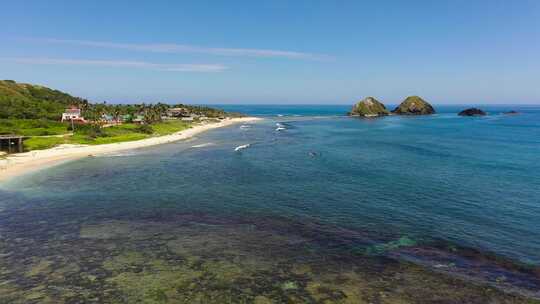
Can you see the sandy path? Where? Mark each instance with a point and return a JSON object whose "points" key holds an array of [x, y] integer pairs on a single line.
{"points": [[22, 163]]}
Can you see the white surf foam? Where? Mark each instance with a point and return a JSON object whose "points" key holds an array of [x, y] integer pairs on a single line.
{"points": [[126, 154], [242, 147], [280, 127], [202, 145]]}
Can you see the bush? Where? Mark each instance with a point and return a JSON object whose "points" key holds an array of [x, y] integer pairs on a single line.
{"points": [[44, 133], [41, 123], [91, 130], [96, 132], [76, 127], [146, 129]]}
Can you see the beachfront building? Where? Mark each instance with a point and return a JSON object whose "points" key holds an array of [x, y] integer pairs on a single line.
{"points": [[72, 114], [178, 112]]}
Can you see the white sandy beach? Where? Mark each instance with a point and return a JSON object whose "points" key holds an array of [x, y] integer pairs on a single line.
{"points": [[22, 163]]}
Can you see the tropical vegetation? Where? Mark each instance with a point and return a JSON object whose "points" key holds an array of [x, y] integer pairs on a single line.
{"points": [[35, 112], [28, 101]]}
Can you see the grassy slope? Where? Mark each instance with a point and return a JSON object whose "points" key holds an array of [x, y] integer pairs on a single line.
{"points": [[170, 127], [116, 134], [32, 127]]}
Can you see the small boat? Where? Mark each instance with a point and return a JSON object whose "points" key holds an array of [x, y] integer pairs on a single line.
{"points": [[242, 147]]}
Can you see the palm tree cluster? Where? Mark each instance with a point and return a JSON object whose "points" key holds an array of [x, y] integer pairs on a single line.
{"points": [[151, 113]]}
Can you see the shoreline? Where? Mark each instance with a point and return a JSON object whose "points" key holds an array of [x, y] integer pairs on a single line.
{"points": [[27, 162]]}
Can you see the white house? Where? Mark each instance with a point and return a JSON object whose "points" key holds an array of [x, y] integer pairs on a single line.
{"points": [[72, 113]]}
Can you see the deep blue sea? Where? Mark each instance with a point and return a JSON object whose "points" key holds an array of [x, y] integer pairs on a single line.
{"points": [[455, 194]]}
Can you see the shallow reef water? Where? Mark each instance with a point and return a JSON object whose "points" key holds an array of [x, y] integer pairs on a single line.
{"points": [[201, 258]]}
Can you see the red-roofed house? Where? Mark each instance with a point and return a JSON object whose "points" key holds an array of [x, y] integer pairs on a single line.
{"points": [[72, 114]]}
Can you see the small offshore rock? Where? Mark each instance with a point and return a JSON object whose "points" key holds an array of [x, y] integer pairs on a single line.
{"points": [[472, 112]]}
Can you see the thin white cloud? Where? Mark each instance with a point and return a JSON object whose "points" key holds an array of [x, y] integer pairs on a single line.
{"points": [[182, 48], [121, 64]]}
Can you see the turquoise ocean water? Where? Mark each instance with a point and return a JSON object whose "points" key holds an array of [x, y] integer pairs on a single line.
{"points": [[458, 194]]}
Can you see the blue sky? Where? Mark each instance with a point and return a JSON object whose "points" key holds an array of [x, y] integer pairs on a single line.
{"points": [[297, 52]]}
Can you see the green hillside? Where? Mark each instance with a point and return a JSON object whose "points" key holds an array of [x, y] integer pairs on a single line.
{"points": [[27, 101]]}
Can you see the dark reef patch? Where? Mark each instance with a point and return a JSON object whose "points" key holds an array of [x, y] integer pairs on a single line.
{"points": [[64, 256]]}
